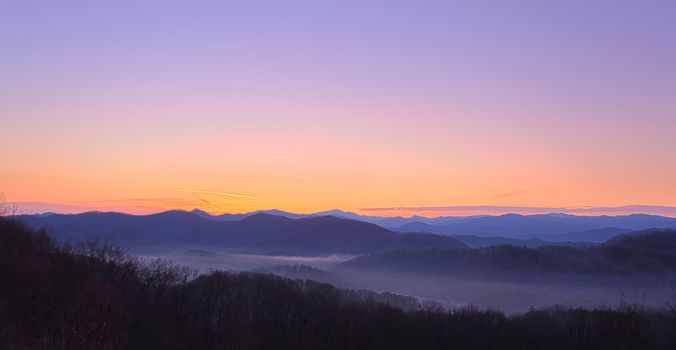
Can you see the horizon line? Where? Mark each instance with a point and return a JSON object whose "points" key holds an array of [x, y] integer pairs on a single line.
{"points": [[393, 212]]}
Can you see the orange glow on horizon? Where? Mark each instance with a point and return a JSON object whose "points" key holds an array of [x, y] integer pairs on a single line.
{"points": [[466, 107]]}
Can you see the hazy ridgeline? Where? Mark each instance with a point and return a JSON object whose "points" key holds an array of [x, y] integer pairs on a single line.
{"points": [[94, 296]]}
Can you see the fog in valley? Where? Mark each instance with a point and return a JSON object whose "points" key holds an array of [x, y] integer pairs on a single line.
{"points": [[206, 260], [451, 292]]}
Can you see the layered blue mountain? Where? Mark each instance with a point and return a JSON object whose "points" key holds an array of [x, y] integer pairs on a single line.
{"points": [[259, 232], [527, 228], [550, 227]]}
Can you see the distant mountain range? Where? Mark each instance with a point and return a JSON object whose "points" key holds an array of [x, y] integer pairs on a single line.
{"points": [[384, 221], [553, 227], [335, 231], [260, 232]]}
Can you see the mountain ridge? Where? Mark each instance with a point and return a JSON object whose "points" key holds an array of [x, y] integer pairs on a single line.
{"points": [[261, 232]]}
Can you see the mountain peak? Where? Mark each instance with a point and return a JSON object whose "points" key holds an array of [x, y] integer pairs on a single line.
{"points": [[264, 217], [335, 212], [201, 213]]}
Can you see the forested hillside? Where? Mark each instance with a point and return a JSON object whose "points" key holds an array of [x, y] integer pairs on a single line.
{"points": [[640, 257]]}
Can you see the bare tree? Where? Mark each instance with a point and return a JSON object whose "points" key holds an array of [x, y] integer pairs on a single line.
{"points": [[101, 248], [7, 209]]}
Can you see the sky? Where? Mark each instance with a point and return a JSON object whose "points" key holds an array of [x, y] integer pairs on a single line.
{"points": [[379, 107]]}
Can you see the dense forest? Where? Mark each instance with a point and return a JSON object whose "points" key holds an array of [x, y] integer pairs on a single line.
{"points": [[93, 296]]}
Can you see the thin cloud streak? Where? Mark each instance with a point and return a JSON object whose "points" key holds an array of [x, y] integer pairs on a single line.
{"points": [[235, 195], [127, 200]]}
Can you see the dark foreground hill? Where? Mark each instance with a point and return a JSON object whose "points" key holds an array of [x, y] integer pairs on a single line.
{"points": [[94, 297], [645, 256], [256, 233]]}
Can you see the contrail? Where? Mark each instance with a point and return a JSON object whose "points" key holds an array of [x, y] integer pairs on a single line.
{"points": [[218, 193]]}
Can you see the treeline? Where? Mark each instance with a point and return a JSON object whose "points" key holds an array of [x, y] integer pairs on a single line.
{"points": [[92, 296], [641, 257]]}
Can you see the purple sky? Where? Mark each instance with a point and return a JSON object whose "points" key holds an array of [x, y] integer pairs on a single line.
{"points": [[312, 105]]}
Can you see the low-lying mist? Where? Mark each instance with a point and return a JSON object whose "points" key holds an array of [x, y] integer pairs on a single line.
{"points": [[509, 297], [206, 260]]}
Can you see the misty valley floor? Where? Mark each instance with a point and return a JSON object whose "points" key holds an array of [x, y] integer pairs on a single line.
{"points": [[510, 297]]}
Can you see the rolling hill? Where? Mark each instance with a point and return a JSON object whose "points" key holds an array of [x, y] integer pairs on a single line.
{"points": [[639, 256]]}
